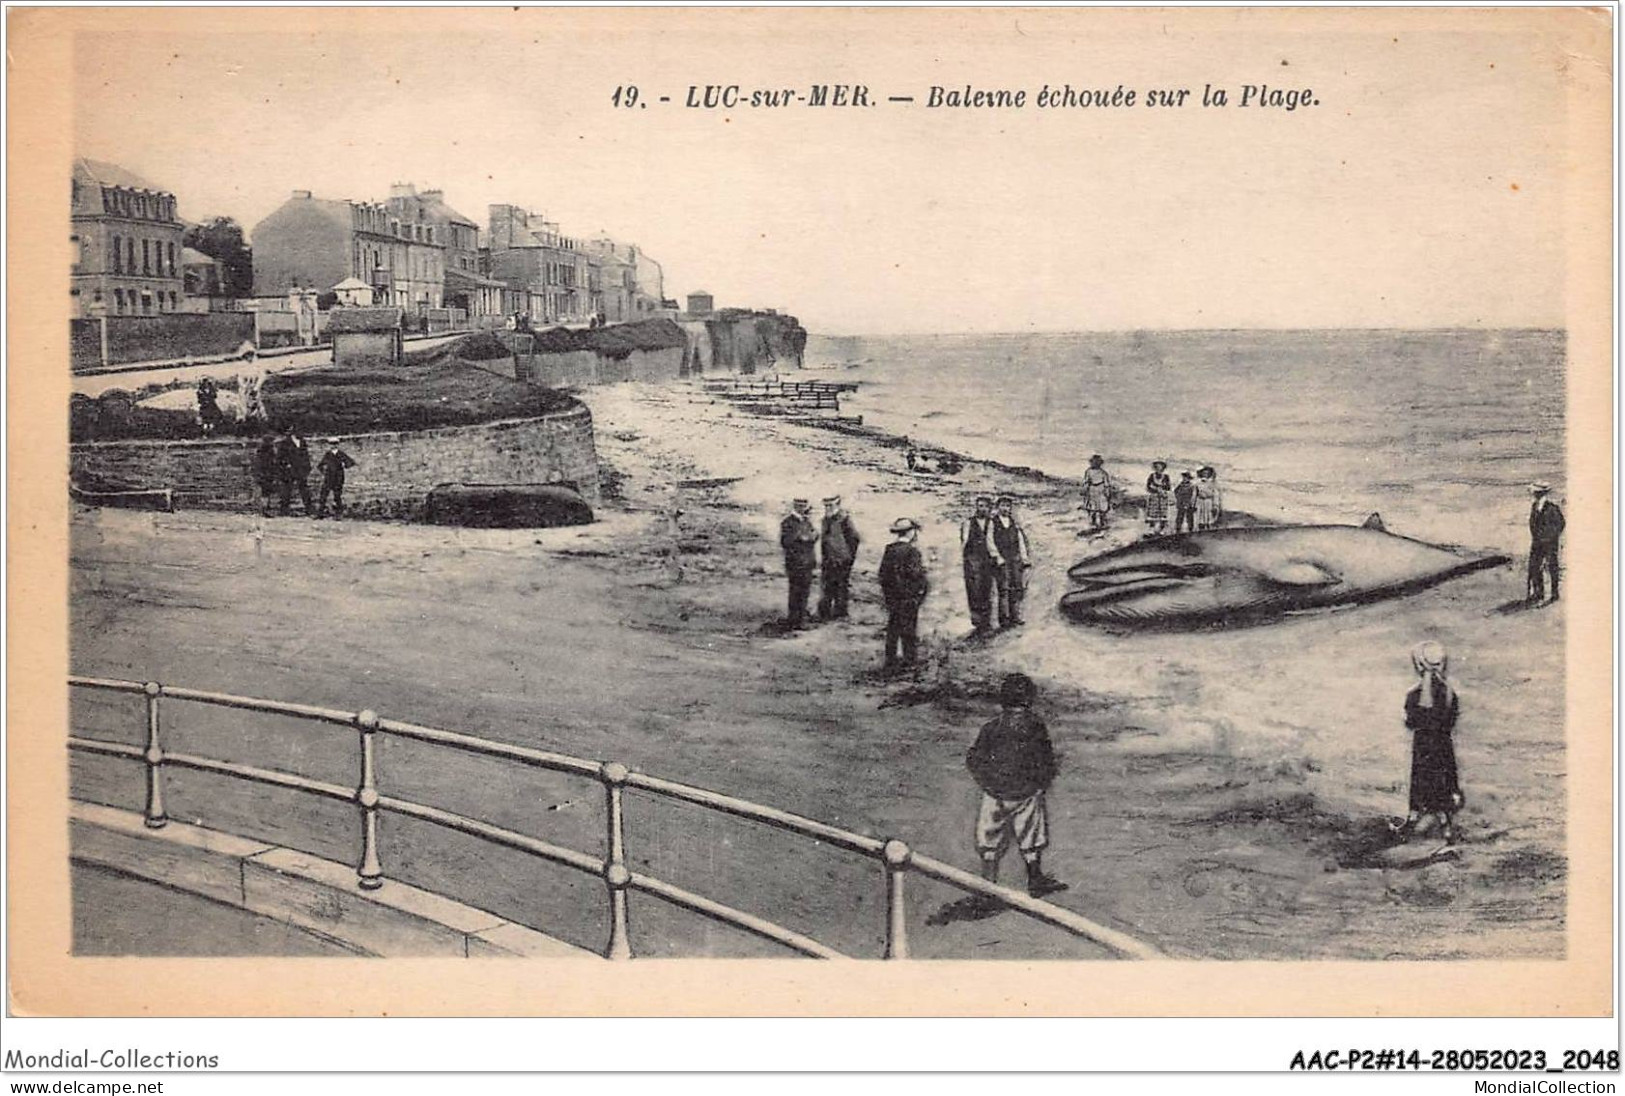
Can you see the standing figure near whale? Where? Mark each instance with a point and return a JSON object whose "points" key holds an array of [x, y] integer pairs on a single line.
{"points": [[1097, 492], [1545, 533], [1431, 711], [1209, 503]]}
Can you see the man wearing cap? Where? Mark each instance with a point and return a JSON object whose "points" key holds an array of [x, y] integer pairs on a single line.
{"points": [[1015, 561], [1185, 504], [904, 584], [1013, 763], [982, 561], [1545, 530], [799, 540], [839, 547], [332, 466]]}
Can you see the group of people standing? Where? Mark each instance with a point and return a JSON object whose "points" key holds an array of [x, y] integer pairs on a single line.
{"points": [[995, 554], [282, 466], [1194, 500], [836, 542]]}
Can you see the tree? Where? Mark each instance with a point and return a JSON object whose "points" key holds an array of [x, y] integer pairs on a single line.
{"points": [[221, 238]]}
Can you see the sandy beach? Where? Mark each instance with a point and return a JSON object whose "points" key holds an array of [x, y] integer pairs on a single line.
{"points": [[1216, 789]]}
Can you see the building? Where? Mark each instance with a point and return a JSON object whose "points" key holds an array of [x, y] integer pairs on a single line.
{"points": [[366, 336], [126, 238], [547, 274], [700, 303], [466, 286], [616, 278], [649, 282], [316, 243]]}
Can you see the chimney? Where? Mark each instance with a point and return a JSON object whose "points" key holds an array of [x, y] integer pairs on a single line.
{"points": [[301, 194], [434, 195], [402, 190]]}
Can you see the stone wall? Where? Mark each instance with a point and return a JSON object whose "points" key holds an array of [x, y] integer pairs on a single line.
{"points": [[168, 337], [394, 471]]}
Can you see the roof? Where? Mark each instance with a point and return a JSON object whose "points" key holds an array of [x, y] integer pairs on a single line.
{"points": [[352, 283], [341, 320], [191, 256], [437, 209], [100, 171], [465, 277]]}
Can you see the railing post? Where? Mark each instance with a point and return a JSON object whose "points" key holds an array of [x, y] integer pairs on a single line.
{"points": [[156, 818], [896, 856], [371, 873], [616, 875]]}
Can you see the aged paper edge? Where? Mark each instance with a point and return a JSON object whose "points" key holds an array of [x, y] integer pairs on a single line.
{"points": [[47, 980]]}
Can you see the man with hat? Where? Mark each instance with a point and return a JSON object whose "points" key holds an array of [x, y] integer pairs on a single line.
{"points": [[799, 540], [903, 584], [1015, 561], [982, 561], [293, 465], [1185, 504], [1545, 530], [839, 548], [332, 466]]}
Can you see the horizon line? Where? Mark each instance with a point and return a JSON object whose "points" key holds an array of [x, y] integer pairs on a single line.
{"points": [[1174, 330]]}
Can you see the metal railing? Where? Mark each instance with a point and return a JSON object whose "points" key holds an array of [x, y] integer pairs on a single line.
{"points": [[895, 857]]}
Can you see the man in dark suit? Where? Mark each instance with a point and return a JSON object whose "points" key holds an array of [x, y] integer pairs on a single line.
{"points": [[904, 584], [838, 549], [1545, 531], [293, 462], [799, 539]]}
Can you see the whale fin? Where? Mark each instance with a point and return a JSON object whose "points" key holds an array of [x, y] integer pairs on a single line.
{"points": [[1374, 522], [1300, 572]]}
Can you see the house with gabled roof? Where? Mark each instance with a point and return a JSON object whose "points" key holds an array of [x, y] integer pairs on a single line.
{"points": [[315, 243]]}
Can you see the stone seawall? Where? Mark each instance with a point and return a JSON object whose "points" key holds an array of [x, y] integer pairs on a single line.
{"points": [[393, 474]]}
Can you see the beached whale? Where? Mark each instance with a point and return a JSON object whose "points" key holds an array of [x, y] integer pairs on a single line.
{"points": [[1223, 576]]}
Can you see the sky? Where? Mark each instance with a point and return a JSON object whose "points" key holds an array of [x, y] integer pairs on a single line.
{"points": [[1425, 189]]}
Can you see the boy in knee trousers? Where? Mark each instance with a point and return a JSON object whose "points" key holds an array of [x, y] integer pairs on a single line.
{"points": [[1014, 763]]}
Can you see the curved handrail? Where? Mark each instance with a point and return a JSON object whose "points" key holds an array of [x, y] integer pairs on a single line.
{"points": [[744, 808], [896, 858], [541, 759]]}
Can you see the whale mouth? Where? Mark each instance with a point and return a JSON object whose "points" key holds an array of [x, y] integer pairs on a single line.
{"points": [[1138, 576]]}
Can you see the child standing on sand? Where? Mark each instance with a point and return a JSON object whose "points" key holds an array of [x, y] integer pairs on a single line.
{"points": [[1014, 763]]}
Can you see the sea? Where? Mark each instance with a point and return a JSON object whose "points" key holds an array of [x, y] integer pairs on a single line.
{"points": [[1439, 431]]}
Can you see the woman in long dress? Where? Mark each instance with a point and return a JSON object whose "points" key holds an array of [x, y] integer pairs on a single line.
{"points": [[1097, 492], [1158, 488], [1209, 505], [1431, 711]]}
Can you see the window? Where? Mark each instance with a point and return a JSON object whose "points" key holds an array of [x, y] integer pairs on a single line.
{"points": [[117, 256], [129, 257], [118, 301], [173, 303], [146, 303], [146, 257], [172, 259]]}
